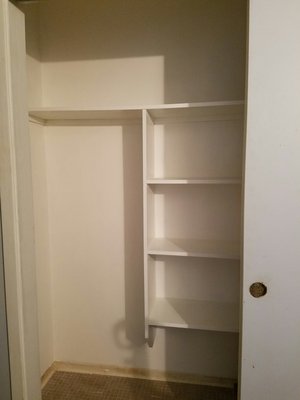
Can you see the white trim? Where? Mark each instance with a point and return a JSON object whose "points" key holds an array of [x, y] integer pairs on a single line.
{"points": [[16, 199], [13, 177]]}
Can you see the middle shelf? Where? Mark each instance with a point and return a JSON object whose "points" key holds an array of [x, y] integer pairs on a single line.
{"points": [[194, 181], [195, 248], [195, 314]]}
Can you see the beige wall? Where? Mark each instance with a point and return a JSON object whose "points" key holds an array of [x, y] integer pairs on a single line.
{"points": [[37, 137], [120, 53], [142, 52]]}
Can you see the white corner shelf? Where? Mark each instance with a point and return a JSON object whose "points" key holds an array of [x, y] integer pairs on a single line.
{"points": [[194, 314], [195, 248], [157, 112], [194, 181]]}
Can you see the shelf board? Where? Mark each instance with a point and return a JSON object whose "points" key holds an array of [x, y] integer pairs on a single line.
{"points": [[194, 314], [195, 248], [195, 111], [157, 112], [201, 181], [62, 114]]}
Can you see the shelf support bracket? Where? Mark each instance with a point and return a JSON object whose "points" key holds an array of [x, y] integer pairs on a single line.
{"points": [[152, 335]]}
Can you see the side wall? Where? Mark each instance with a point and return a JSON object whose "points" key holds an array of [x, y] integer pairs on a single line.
{"points": [[38, 160], [112, 52]]}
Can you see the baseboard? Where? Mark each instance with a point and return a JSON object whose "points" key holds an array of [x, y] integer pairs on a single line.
{"points": [[47, 375], [136, 373]]}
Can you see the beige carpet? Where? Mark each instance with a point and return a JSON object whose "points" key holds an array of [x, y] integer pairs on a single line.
{"points": [[73, 386]]}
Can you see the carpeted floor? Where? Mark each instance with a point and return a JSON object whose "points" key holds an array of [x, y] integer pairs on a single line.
{"points": [[73, 386]]}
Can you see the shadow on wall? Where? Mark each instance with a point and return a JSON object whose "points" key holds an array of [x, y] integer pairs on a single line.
{"points": [[129, 333], [201, 41], [133, 235]]}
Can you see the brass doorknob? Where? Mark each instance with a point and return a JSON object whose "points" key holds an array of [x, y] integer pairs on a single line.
{"points": [[258, 289]]}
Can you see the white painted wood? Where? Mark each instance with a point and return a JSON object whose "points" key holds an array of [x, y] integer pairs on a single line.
{"points": [[44, 268], [5, 386], [146, 121], [203, 181], [197, 111], [150, 147], [158, 112], [270, 361], [192, 314], [185, 207], [61, 114], [150, 281], [194, 248], [16, 203]]}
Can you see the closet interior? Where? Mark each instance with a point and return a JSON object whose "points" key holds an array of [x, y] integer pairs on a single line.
{"points": [[136, 115]]}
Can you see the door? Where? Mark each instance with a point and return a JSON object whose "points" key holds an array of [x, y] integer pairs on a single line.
{"points": [[5, 393], [17, 209], [270, 364]]}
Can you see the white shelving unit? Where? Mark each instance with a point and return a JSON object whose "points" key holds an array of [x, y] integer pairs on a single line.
{"points": [[192, 175], [192, 206]]}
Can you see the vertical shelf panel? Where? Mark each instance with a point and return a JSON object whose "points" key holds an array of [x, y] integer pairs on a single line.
{"points": [[148, 222]]}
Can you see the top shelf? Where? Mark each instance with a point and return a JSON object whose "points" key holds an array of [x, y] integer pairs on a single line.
{"points": [[71, 114], [157, 112], [197, 111]]}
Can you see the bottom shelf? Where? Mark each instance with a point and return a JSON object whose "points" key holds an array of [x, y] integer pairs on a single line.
{"points": [[194, 314]]}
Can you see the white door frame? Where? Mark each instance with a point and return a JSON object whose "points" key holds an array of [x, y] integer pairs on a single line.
{"points": [[5, 384], [17, 208]]}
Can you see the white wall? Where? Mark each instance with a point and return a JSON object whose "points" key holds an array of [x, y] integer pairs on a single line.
{"points": [[110, 53], [38, 160], [142, 52]]}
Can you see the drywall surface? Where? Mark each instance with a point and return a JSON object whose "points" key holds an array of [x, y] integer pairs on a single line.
{"points": [[37, 139], [33, 61], [113, 52], [106, 53]]}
